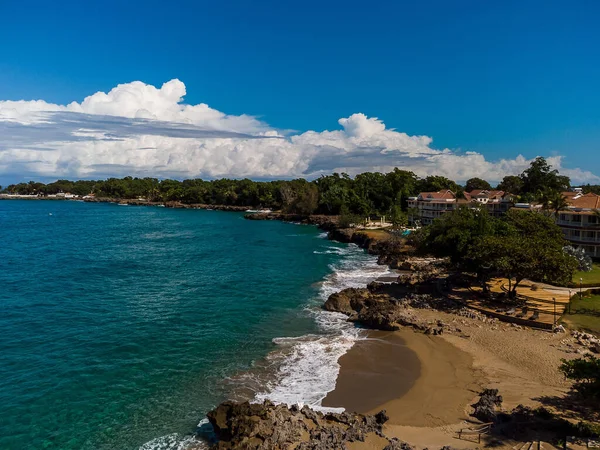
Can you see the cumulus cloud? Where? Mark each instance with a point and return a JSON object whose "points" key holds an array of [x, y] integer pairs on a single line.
{"points": [[138, 129]]}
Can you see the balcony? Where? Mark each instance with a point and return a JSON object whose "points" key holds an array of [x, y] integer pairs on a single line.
{"points": [[585, 239], [570, 223]]}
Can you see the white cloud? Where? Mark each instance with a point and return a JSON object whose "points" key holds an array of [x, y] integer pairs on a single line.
{"points": [[137, 129]]}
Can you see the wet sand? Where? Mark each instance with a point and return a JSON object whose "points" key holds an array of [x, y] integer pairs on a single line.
{"points": [[427, 383], [420, 380], [374, 371]]}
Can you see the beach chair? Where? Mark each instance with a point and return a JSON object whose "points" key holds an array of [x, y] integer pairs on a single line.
{"points": [[535, 315], [510, 312], [484, 428], [523, 312]]}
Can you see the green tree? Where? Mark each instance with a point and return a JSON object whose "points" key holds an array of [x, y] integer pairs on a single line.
{"points": [[532, 248], [540, 177], [477, 183], [413, 215], [403, 184], [585, 372], [435, 183], [553, 202], [591, 188], [398, 217], [524, 244], [512, 184], [347, 219], [334, 192]]}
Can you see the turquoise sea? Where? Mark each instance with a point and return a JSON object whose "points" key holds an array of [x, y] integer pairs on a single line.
{"points": [[121, 326]]}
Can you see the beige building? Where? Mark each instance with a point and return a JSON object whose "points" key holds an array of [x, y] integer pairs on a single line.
{"points": [[580, 222], [433, 205], [497, 202]]}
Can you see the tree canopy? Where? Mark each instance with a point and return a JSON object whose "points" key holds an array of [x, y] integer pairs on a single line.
{"points": [[540, 177], [477, 183], [585, 372], [512, 184], [522, 244], [369, 193]]}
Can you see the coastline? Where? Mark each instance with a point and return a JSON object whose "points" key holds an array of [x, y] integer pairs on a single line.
{"points": [[428, 398], [428, 410], [425, 382], [428, 387]]}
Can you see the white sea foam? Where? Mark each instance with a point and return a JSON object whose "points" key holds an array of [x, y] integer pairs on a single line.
{"points": [[334, 251], [174, 442], [308, 365]]}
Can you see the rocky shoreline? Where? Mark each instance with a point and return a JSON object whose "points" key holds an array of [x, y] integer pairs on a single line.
{"points": [[269, 426], [172, 204], [510, 358], [418, 299]]}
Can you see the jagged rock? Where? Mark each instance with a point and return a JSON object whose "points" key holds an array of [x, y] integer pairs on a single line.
{"points": [[341, 235], [277, 427], [485, 408], [384, 317], [396, 444], [340, 302], [381, 311], [423, 275], [434, 331]]}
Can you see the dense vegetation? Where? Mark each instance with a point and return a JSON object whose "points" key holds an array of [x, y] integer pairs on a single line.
{"points": [[367, 193], [522, 244], [585, 372], [370, 193]]}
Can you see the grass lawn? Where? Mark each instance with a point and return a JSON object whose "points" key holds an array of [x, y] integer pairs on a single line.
{"points": [[378, 234], [589, 303], [586, 313], [592, 277]]}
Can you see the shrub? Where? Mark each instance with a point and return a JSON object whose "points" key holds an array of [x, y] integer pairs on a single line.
{"points": [[584, 261], [585, 372]]}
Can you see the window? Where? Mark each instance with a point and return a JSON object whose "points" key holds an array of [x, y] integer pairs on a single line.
{"points": [[575, 233], [591, 234], [576, 218], [592, 219]]}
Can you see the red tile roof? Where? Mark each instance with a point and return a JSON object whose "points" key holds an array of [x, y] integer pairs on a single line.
{"points": [[440, 195], [487, 193], [586, 201]]}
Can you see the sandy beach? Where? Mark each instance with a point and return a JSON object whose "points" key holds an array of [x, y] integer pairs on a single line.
{"points": [[427, 383]]}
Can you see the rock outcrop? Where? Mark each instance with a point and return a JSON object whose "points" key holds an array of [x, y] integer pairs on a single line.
{"points": [[587, 341], [486, 408], [324, 222], [276, 427], [374, 308]]}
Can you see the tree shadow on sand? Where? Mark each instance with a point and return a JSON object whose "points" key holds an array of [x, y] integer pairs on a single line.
{"points": [[573, 406]]}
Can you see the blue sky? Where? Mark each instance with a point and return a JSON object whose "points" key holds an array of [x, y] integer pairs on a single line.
{"points": [[502, 79]]}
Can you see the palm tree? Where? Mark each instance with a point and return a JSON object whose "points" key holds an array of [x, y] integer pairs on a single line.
{"points": [[553, 202], [559, 203], [413, 214]]}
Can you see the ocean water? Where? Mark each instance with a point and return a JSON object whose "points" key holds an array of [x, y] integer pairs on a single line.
{"points": [[120, 327]]}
